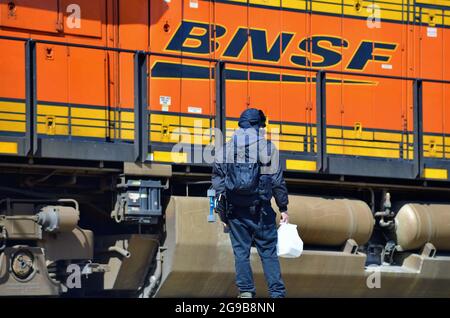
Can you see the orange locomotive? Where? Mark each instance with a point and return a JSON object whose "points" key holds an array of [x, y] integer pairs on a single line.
{"points": [[351, 88], [275, 42]]}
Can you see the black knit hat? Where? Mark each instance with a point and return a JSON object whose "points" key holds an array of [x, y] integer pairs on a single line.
{"points": [[252, 117]]}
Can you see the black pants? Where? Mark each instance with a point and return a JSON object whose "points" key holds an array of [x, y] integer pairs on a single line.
{"points": [[260, 229]]}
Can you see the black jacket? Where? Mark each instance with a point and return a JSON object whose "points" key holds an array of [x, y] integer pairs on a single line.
{"points": [[271, 180]]}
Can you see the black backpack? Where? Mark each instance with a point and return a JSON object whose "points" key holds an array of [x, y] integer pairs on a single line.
{"points": [[242, 182]]}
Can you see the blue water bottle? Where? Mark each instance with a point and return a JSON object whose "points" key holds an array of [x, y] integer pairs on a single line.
{"points": [[212, 205]]}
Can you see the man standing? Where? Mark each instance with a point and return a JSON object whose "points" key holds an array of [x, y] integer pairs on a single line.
{"points": [[246, 174]]}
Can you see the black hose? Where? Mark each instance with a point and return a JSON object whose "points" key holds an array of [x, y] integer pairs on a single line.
{"points": [[3, 239]]}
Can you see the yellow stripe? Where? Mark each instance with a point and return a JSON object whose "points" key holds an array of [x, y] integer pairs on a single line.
{"points": [[89, 113], [17, 117], [9, 148], [352, 134], [362, 151], [15, 107], [62, 111], [197, 122], [280, 137], [272, 3], [58, 120], [434, 2], [12, 126], [88, 132], [389, 9], [58, 130], [165, 119], [88, 122], [303, 165], [385, 136], [125, 134], [433, 173], [165, 156], [291, 146], [332, 132], [232, 124], [328, 8], [294, 4], [124, 116], [362, 143], [166, 128], [293, 129]]}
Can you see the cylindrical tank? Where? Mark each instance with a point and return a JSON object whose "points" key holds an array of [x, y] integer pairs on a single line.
{"points": [[418, 224], [58, 218], [331, 222]]}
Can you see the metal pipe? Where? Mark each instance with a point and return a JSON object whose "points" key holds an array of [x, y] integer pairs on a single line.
{"points": [[382, 213], [3, 238], [75, 203], [31, 183], [119, 250], [118, 213], [155, 278], [384, 223]]}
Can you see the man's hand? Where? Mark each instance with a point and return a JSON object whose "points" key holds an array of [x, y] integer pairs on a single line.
{"points": [[221, 209], [284, 217]]}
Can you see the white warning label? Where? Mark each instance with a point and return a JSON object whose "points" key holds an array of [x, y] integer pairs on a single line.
{"points": [[194, 110], [432, 32], [193, 4], [165, 100]]}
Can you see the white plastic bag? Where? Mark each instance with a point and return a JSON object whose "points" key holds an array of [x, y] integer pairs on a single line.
{"points": [[289, 244]]}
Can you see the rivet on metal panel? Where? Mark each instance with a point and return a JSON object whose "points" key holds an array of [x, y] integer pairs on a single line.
{"points": [[166, 26]]}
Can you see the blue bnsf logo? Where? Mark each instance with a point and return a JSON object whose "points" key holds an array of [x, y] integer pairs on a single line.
{"points": [[194, 37]]}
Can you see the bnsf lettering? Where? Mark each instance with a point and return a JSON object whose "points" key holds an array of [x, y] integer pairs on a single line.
{"points": [[194, 37], [260, 47], [365, 54], [314, 44]]}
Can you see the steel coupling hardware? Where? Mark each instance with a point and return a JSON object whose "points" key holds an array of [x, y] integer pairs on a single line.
{"points": [[138, 201], [22, 264]]}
